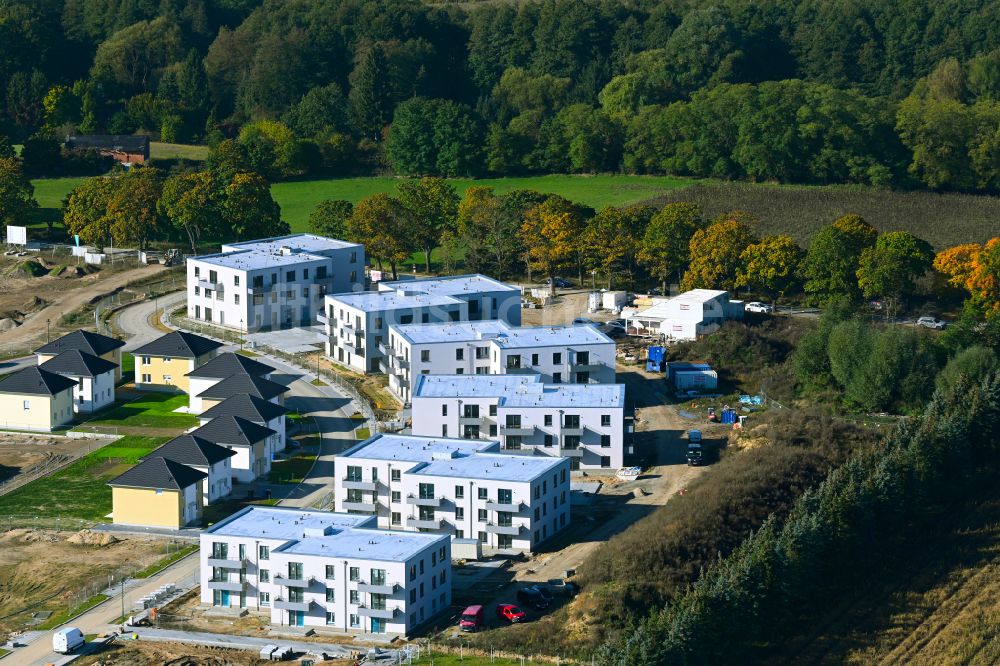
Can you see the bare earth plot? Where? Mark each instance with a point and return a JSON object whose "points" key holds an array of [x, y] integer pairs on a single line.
{"points": [[138, 653], [23, 454]]}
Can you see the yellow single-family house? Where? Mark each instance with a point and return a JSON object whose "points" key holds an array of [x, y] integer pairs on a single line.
{"points": [[94, 344], [158, 492], [247, 439], [163, 364], [35, 399], [203, 456]]}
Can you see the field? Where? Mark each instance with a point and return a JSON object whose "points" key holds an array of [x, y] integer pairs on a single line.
{"points": [[177, 151], [78, 491], [297, 199], [941, 219]]}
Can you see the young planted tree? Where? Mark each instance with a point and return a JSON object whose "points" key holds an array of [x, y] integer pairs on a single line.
{"points": [[666, 244], [329, 218], [770, 265], [551, 232], [380, 222], [433, 207], [716, 251]]}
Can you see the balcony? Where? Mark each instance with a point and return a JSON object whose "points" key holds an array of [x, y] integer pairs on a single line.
{"points": [[225, 585], [571, 431], [208, 284], [586, 367], [364, 507], [383, 349], [302, 606], [383, 366], [300, 583], [357, 348], [379, 588], [510, 530], [398, 362], [512, 507], [470, 420], [575, 452], [260, 289], [224, 563], [382, 613], [519, 430], [520, 371], [358, 484], [423, 501], [322, 318], [420, 524]]}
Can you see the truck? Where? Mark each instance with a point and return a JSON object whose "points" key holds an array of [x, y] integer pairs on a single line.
{"points": [[473, 618], [67, 640], [695, 451]]}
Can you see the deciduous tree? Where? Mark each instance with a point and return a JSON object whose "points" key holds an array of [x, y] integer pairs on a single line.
{"points": [[17, 194], [666, 244], [250, 210], [433, 206], [490, 230], [330, 217], [770, 265], [85, 211], [379, 221], [192, 202], [132, 207], [890, 268], [716, 251], [551, 233]]}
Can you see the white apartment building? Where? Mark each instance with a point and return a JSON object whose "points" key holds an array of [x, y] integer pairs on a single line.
{"points": [[325, 570], [272, 283], [685, 317], [582, 422], [357, 325], [460, 487], [579, 354], [487, 298]]}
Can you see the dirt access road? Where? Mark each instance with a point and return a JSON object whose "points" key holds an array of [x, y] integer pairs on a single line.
{"points": [[63, 297]]}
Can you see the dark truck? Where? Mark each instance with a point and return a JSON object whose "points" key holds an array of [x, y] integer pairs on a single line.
{"points": [[695, 451]]}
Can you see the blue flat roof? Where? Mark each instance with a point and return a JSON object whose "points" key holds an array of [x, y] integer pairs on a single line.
{"points": [[281, 523], [520, 391], [470, 386], [411, 448], [301, 242], [452, 285], [507, 337], [249, 260], [366, 544], [380, 301], [493, 466]]}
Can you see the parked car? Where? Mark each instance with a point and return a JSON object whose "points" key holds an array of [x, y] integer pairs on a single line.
{"points": [[472, 619], [757, 306], [931, 322], [563, 587], [583, 320], [67, 640], [510, 612], [543, 590], [562, 283], [532, 598]]}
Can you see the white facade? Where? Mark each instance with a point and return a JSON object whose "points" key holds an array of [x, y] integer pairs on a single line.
{"points": [[325, 571], [487, 298], [687, 316], [555, 354], [582, 422], [272, 283], [462, 488], [93, 393]]}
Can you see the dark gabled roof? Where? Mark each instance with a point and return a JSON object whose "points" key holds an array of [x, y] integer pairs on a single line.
{"points": [[248, 407], [233, 430], [178, 344], [85, 341], [35, 381], [228, 364], [76, 363], [243, 383], [129, 143], [159, 473], [191, 450]]}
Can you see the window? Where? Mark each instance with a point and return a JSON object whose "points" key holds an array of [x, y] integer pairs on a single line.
{"points": [[459, 534], [413, 596], [145, 360], [548, 419], [459, 492], [355, 621], [330, 618], [354, 276], [294, 571], [425, 355], [197, 291], [331, 594], [459, 371], [263, 552], [605, 420], [444, 409], [482, 353], [354, 257], [265, 598], [605, 440], [353, 473], [147, 379], [213, 276], [513, 361], [395, 475], [413, 573], [355, 597], [396, 497], [605, 461], [355, 573], [482, 515], [459, 354], [426, 491], [557, 378], [26, 405], [289, 276], [236, 280], [331, 572], [534, 359], [421, 573], [557, 358], [236, 298], [258, 299], [459, 513], [493, 410], [444, 430], [320, 272], [265, 576], [484, 493], [482, 536], [197, 271], [548, 440], [397, 518]]}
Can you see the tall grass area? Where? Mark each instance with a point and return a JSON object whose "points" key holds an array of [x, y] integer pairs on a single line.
{"points": [[79, 490], [298, 198], [799, 211]]}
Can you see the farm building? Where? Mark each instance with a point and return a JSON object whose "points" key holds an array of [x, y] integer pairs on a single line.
{"points": [[124, 148]]}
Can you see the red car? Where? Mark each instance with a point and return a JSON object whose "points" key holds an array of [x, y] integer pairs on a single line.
{"points": [[510, 612]]}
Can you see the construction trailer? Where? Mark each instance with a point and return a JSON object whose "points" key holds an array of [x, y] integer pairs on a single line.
{"points": [[692, 376]]}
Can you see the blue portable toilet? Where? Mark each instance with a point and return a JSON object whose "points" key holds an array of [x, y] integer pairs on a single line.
{"points": [[655, 358]]}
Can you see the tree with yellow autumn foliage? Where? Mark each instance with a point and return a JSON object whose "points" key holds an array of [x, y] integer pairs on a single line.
{"points": [[770, 265], [551, 232], [716, 251]]}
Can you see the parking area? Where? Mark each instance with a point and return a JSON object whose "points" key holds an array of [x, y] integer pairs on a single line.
{"points": [[290, 340]]}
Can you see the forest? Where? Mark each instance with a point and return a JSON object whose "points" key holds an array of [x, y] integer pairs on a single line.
{"points": [[800, 91]]}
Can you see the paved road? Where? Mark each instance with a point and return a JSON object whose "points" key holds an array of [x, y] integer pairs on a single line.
{"points": [[240, 642], [134, 320]]}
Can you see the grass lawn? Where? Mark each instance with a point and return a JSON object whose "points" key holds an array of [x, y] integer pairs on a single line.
{"points": [[297, 199], [157, 567], [173, 151], [293, 470], [155, 410], [60, 617], [79, 490]]}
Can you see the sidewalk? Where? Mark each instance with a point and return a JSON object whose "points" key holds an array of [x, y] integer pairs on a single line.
{"points": [[241, 642]]}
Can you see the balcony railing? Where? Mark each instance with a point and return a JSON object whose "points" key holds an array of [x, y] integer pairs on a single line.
{"points": [[510, 530], [423, 501], [228, 585], [383, 349], [322, 318], [420, 524], [364, 507], [209, 284], [572, 452], [470, 420], [510, 507], [382, 613], [586, 367], [225, 562], [378, 588], [522, 431], [352, 484], [302, 606], [520, 370], [300, 583], [571, 431]]}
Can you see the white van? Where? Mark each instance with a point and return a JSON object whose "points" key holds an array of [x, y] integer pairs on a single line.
{"points": [[67, 640]]}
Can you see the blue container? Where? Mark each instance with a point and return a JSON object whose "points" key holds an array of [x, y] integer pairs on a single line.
{"points": [[655, 359]]}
